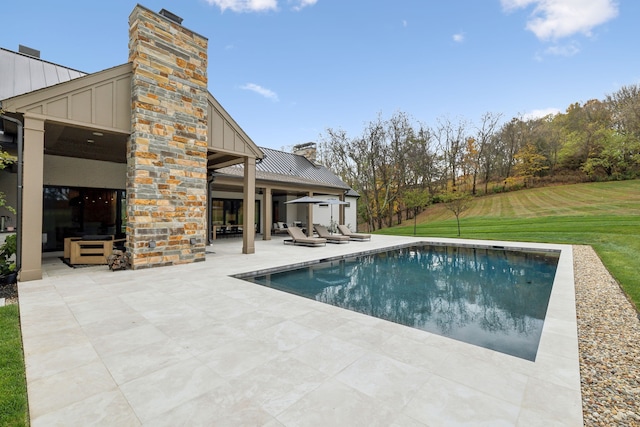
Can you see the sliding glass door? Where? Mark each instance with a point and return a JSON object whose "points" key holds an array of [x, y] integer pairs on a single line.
{"points": [[78, 211]]}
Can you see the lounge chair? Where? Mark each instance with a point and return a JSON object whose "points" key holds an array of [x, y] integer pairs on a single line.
{"points": [[331, 238], [353, 236], [299, 238]]}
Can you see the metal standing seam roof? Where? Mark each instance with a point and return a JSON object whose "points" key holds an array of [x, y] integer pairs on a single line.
{"points": [[288, 167], [23, 74]]}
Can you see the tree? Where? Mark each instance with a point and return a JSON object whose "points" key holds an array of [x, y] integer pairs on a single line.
{"points": [[457, 203], [415, 199], [529, 162]]}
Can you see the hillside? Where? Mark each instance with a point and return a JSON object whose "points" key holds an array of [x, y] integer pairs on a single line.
{"points": [[604, 215]]}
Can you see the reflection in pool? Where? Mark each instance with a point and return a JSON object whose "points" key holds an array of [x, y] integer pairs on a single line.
{"points": [[493, 298]]}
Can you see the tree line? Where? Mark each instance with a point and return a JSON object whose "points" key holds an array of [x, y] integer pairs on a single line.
{"points": [[400, 165]]}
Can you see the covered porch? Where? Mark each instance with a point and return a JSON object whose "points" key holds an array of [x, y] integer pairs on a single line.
{"points": [[74, 150]]}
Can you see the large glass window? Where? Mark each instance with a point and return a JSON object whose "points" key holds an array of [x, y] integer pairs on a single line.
{"points": [[228, 212], [77, 211]]}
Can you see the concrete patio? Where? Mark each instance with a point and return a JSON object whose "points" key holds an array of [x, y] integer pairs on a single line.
{"points": [[189, 345]]}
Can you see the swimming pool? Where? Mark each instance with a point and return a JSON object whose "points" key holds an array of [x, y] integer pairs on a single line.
{"points": [[492, 297]]}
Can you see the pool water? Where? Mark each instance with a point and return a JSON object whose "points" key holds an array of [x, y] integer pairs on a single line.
{"points": [[494, 298]]}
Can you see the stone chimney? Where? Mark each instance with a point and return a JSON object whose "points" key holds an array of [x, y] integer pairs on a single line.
{"points": [[167, 151], [307, 150]]}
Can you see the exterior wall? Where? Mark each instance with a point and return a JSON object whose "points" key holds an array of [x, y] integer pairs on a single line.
{"points": [[73, 172], [167, 151]]}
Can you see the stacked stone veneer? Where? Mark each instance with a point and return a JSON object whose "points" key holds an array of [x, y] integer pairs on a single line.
{"points": [[167, 152]]}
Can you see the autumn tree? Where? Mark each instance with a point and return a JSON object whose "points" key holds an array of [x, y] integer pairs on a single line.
{"points": [[529, 163]]}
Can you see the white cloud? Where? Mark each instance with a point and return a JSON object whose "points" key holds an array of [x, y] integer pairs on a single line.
{"points": [[538, 114], [458, 38], [556, 19], [245, 5], [301, 4], [568, 49], [267, 93], [258, 5]]}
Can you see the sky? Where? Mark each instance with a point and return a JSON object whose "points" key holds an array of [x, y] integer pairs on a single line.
{"points": [[286, 70]]}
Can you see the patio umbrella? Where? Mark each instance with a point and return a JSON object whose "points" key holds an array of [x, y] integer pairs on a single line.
{"points": [[306, 199]]}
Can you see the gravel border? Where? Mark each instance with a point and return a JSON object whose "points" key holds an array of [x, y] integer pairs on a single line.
{"points": [[609, 343]]}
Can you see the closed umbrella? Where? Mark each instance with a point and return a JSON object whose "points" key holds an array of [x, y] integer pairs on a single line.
{"points": [[333, 202]]}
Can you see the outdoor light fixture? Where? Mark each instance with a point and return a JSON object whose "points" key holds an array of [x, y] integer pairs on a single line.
{"points": [[152, 244], [90, 141], [193, 240], [98, 134]]}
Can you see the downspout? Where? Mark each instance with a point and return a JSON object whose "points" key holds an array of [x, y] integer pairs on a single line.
{"points": [[18, 123]]}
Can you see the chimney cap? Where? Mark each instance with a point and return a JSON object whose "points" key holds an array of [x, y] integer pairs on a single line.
{"points": [[29, 51], [171, 16]]}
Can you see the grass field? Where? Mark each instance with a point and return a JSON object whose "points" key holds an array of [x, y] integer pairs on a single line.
{"points": [[603, 215], [13, 385]]}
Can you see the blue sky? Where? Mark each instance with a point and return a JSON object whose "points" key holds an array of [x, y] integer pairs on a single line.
{"points": [[288, 69]]}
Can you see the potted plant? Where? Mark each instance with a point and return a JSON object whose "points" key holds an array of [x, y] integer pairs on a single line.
{"points": [[8, 273]]}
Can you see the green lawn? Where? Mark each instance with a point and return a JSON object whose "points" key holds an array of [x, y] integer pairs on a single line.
{"points": [[13, 386], [603, 215]]}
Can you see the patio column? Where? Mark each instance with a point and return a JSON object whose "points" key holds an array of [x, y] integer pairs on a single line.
{"points": [[249, 206], [310, 216], [266, 213], [33, 159]]}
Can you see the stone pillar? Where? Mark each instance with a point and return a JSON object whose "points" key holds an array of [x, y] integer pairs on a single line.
{"points": [[31, 233], [249, 207], [167, 151]]}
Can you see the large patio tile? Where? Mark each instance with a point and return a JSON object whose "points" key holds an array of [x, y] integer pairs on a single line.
{"points": [[239, 356], [327, 354], [278, 383], [384, 379], [367, 337], [43, 364], [131, 363], [209, 337], [56, 391], [442, 402], [160, 391], [129, 339], [557, 402], [486, 377], [109, 408], [223, 406], [288, 335], [336, 404]]}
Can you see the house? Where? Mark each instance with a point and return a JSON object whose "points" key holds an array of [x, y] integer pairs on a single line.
{"points": [[143, 151]]}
